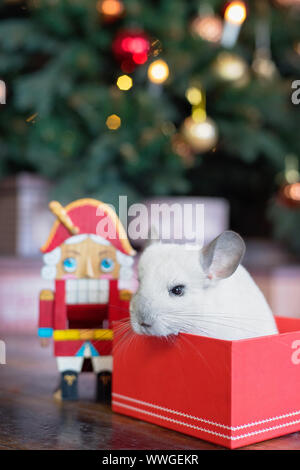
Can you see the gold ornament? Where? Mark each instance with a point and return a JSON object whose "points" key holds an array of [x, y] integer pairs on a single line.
{"points": [[201, 136]]}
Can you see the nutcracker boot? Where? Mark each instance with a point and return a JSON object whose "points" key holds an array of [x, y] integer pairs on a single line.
{"points": [[69, 381], [103, 389]]}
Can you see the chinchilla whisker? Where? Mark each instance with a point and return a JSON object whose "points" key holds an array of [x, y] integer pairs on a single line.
{"points": [[120, 308], [121, 328], [234, 327], [124, 340], [124, 346], [124, 320], [187, 341], [124, 336], [221, 315], [189, 326]]}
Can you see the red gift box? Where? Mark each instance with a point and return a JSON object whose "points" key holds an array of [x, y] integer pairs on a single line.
{"points": [[232, 393]]}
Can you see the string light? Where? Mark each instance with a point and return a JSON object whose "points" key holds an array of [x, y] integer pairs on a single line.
{"points": [[199, 114], [110, 8], [113, 122], [235, 13], [193, 95], [158, 71], [124, 82], [234, 16], [196, 97]]}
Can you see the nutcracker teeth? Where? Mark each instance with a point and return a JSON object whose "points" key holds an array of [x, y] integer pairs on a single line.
{"points": [[82, 285], [87, 291], [82, 296], [71, 284], [71, 291], [71, 297]]}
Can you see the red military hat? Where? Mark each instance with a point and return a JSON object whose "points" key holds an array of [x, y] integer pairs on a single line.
{"points": [[86, 216]]}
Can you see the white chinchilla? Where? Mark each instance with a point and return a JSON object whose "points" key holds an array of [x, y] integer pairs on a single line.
{"points": [[205, 292]]}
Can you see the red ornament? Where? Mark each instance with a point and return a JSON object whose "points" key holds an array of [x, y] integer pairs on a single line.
{"points": [[131, 48]]}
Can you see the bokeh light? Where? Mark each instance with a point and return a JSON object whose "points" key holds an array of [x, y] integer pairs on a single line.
{"points": [[158, 71], [131, 48], [124, 82], [235, 13], [230, 67], [193, 95], [208, 28], [201, 136], [111, 8], [113, 122], [292, 191]]}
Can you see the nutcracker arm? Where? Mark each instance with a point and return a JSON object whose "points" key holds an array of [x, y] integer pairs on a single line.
{"points": [[118, 307], [45, 328]]}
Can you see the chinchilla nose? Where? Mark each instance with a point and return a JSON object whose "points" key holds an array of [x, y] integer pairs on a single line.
{"points": [[145, 324], [144, 319], [142, 309]]}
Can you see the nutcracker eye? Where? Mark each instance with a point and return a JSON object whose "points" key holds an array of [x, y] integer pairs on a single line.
{"points": [[70, 265], [107, 265]]}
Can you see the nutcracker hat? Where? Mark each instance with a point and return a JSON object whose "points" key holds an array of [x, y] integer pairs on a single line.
{"points": [[86, 216]]}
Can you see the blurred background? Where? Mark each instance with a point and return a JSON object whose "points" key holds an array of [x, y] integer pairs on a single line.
{"points": [[150, 99]]}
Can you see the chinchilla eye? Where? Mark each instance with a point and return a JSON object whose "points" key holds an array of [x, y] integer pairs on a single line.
{"points": [[177, 290]]}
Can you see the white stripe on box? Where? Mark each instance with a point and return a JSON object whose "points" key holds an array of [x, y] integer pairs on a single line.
{"points": [[207, 421], [198, 428]]}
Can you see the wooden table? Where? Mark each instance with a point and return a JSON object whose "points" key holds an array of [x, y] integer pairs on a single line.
{"points": [[31, 419]]}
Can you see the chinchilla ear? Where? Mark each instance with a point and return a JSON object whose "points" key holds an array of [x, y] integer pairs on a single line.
{"points": [[222, 256], [153, 237]]}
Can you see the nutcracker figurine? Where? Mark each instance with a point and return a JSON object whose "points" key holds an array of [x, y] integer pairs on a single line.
{"points": [[90, 258]]}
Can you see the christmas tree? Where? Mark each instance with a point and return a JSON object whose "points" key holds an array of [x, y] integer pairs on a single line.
{"points": [[143, 98]]}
